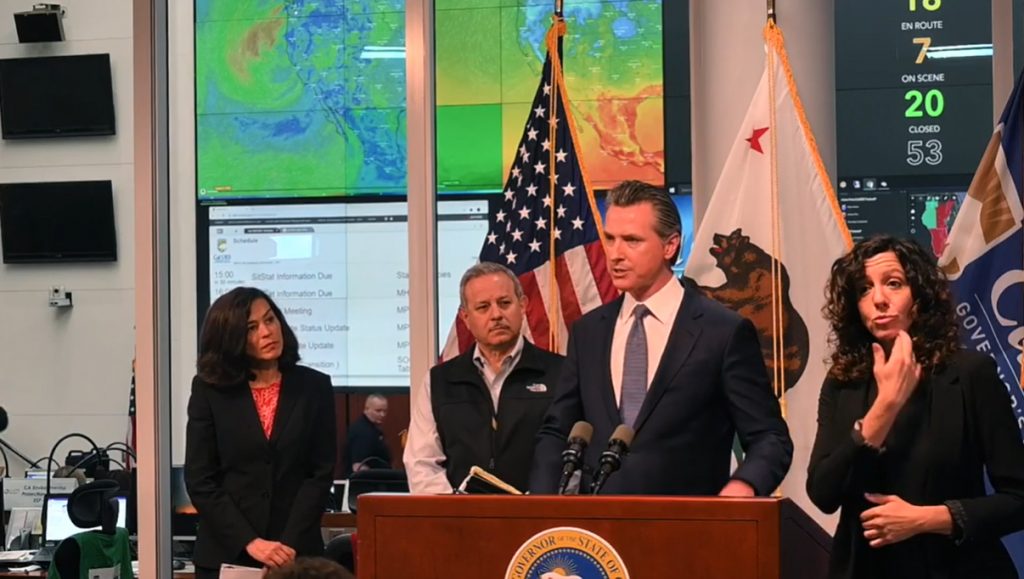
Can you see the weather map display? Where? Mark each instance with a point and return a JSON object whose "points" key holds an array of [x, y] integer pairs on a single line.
{"points": [[306, 98], [913, 111], [300, 98], [631, 111]]}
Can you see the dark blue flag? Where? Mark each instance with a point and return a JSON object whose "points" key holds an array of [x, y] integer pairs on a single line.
{"points": [[984, 259]]}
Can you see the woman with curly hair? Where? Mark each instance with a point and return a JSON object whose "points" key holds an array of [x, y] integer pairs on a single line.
{"points": [[908, 425]]}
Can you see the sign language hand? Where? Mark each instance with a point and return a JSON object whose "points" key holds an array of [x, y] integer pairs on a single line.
{"points": [[898, 376], [892, 521], [270, 553]]}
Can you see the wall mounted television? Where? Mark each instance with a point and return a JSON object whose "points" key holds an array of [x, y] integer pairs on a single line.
{"points": [[56, 96], [57, 222]]}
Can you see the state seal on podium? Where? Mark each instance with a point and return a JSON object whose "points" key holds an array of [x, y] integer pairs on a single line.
{"points": [[566, 553]]}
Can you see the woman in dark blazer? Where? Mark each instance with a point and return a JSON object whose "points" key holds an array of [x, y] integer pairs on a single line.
{"points": [[260, 443], [908, 424]]}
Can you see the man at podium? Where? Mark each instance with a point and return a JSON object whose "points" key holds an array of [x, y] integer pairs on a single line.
{"points": [[483, 407], [683, 371]]}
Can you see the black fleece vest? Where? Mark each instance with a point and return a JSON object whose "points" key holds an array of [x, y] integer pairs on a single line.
{"points": [[473, 434]]}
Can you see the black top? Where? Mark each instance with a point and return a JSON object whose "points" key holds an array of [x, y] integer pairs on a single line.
{"points": [[955, 426], [365, 443], [245, 486]]}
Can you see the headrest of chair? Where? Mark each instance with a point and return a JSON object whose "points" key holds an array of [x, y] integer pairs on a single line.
{"points": [[93, 504], [378, 474], [375, 480]]}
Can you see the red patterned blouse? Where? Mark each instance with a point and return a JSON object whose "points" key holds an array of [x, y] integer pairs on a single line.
{"points": [[266, 405]]}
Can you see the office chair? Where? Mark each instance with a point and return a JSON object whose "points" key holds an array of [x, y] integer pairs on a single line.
{"points": [[91, 505], [374, 462], [375, 480], [341, 550]]}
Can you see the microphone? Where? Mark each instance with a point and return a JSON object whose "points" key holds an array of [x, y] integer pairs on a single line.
{"points": [[611, 459], [572, 456], [3, 419]]}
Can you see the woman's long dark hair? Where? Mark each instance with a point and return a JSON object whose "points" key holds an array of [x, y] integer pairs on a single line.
{"points": [[933, 328], [222, 357]]}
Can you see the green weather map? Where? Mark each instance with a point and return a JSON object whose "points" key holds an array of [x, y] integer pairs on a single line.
{"points": [[305, 98]]}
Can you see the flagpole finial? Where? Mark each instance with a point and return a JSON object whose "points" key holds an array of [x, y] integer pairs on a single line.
{"points": [[558, 7], [771, 11]]}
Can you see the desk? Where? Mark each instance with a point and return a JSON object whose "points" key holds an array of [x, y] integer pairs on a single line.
{"points": [[329, 521], [177, 574], [338, 520]]}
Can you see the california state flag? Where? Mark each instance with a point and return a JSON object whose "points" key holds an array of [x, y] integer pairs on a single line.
{"points": [[765, 247]]}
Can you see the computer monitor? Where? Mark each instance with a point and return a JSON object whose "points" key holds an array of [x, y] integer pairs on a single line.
{"points": [[21, 519], [339, 496], [56, 96], [375, 480], [184, 516], [65, 221], [312, 259], [57, 524]]}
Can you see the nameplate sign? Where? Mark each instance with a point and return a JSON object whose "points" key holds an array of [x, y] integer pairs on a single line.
{"points": [[30, 492]]}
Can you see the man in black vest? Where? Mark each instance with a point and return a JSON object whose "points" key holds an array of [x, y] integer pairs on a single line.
{"points": [[484, 407]]}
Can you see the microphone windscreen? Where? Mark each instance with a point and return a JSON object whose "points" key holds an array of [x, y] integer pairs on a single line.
{"points": [[3, 419], [623, 434], [583, 431]]}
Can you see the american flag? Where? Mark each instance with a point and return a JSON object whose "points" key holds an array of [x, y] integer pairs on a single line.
{"points": [[131, 436], [547, 200]]}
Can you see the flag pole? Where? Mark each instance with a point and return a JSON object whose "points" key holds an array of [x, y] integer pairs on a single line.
{"points": [[778, 323], [554, 303]]}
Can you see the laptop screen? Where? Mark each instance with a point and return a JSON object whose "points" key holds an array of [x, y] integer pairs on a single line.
{"points": [[58, 526]]}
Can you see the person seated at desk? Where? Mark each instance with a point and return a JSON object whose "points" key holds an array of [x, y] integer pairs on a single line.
{"points": [[366, 447]]}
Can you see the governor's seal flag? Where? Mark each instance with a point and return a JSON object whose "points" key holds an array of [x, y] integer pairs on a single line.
{"points": [[566, 553]]}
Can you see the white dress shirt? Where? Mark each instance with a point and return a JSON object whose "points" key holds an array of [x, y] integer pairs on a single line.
{"points": [[664, 305], [423, 457]]}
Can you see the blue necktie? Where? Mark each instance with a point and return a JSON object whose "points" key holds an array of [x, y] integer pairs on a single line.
{"points": [[634, 368]]}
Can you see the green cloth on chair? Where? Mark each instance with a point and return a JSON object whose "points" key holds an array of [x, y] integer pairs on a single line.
{"points": [[96, 550]]}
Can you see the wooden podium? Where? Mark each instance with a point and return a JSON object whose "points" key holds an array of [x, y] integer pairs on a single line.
{"points": [[455, 537]]}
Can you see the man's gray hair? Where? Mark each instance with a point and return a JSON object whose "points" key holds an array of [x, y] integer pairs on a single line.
{"points": [[487, 268]]}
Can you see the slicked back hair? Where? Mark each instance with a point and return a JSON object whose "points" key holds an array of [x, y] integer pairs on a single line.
{"points": [[666, 217]]}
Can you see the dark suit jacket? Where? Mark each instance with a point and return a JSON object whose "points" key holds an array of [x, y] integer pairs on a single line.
{"points": [[245, 486], [968, 427], [711, 384]]}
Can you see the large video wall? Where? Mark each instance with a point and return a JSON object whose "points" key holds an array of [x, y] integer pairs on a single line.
{"points": [[301, 146], [913, 112]]}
